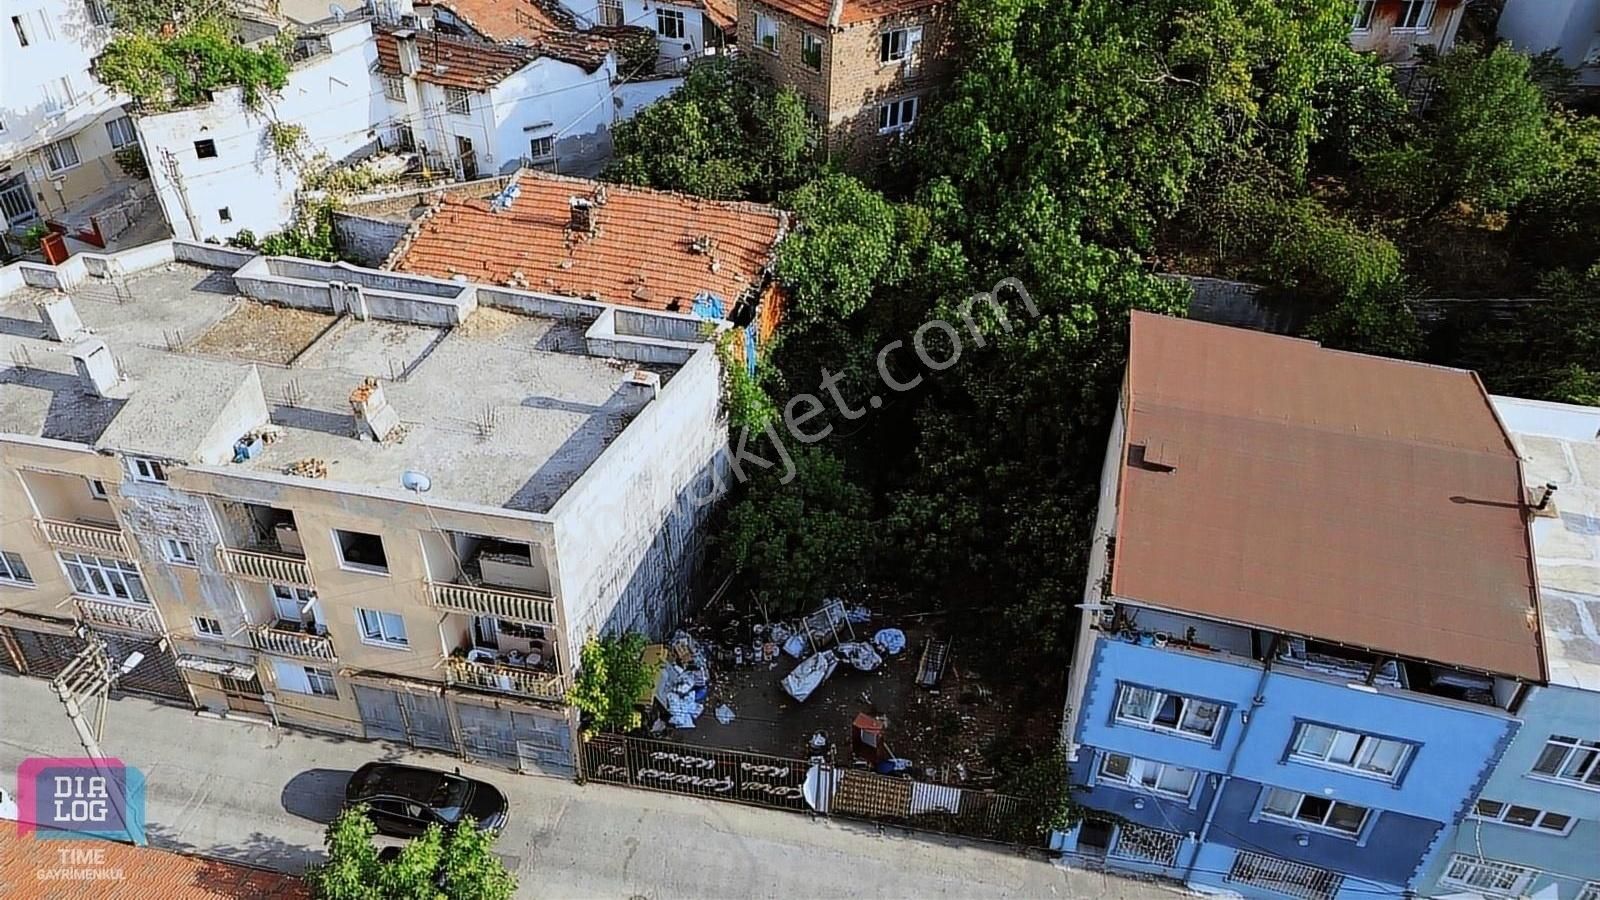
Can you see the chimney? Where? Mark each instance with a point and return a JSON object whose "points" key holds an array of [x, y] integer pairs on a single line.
{"points": [[1542, 498], [410, 59], [60, 319], [376, 420], [835, 12], [583, 215], [96, 369]]}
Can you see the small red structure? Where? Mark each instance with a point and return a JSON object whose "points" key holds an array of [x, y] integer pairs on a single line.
{"points": [[866, 739], [54, 248]]}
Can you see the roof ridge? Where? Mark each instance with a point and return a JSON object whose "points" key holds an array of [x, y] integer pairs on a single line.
{"points": [[745, 205]]}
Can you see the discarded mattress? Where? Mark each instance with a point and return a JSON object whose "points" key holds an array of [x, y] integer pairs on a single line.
{"points": [[810, 675]]}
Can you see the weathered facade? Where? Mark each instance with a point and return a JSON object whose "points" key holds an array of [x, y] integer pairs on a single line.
{"points": [[864, 68], [370, 503]]}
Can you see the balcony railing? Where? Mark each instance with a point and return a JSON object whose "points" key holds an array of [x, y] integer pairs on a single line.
{"points": [[106, 539], [265, 566], [497, 602], [507, 679], [283, 642], [126, 616]]}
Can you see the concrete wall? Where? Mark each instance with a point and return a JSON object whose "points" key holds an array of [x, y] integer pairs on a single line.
{"points": [[552, 99], [335, 98], [1571, 27], [632, 96], [309, 284], [365, 240], [1566, 862], [629, 533]]}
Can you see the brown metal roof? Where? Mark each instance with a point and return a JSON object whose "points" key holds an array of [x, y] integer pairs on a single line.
{"points": [[1270, 481]]}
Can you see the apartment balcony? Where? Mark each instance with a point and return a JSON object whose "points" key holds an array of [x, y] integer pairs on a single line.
{"points": [[87, 536], [265, 566], [522, 606], [136, 617], [286, 642], [506, 679]]}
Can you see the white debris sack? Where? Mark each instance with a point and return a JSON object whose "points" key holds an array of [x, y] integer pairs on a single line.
{"points": [[861, 656], [809, 675], [725, 714], [890, 640]]}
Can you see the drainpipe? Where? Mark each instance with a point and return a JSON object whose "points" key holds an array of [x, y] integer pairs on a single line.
{"points": [[1256, 702]]}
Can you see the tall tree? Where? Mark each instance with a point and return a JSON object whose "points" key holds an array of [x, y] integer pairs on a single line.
{"points": [[458, 865]]}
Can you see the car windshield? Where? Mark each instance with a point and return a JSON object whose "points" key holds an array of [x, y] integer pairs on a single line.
{"points": [[450, 798]]}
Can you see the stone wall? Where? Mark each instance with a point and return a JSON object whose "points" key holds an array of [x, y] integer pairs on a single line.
{"points": [[366, 241], [859, 84]]}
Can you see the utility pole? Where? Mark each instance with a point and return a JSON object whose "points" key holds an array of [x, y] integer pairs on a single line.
{"points": [[169, 163], [88, 677]]}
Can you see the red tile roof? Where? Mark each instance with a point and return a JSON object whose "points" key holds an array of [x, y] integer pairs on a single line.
{"points": [[477, 66], [32, 869], [502, 20], [642, 252], [723, 13], [854, 11], [1361, 500]]}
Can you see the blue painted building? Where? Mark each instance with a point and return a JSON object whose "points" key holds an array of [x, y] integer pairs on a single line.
{"points": [[1535, 827], [1310, 617]]}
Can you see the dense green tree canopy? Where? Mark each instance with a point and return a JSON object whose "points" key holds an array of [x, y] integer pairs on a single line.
{"points": [[457, 865]]}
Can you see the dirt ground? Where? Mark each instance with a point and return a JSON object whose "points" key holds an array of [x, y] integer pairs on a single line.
{"points": [[272, 334], [942, 731]]}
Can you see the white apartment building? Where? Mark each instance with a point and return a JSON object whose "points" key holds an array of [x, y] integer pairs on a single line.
{"points": [[59, 127]]}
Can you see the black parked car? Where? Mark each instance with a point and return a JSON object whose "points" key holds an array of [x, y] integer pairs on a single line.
{"points": [[404, 800]]}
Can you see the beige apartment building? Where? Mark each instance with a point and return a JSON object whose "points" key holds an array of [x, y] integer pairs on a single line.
{"points": [[865, 67], [373, 503]]}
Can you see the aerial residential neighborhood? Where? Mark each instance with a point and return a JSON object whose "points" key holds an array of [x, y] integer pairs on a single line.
{"points": [[792, 448]]}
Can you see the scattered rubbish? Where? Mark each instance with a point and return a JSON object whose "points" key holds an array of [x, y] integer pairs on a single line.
{"points": [[861, 656], [310, 467], [890, 640], [795, 645], [779, 633], [810, 674], [658, 726], [935, 654], [892, 765], [824, 626], [858, 615], [725, 714]]}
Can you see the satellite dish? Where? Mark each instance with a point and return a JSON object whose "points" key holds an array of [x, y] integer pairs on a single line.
{"points": [[415, 482], [336, 11]]}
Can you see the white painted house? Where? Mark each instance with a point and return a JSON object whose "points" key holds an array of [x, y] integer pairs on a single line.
{"points": [[58, 126], [1569, 27], [683, 29], [478, 108], [216, 168]]}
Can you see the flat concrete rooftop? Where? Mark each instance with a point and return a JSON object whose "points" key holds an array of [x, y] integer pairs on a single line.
{"points": [[503, 410]]}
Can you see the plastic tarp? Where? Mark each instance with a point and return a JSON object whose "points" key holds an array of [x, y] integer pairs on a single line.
{"points": [[861, 656], [890, 640], [809, 675]]}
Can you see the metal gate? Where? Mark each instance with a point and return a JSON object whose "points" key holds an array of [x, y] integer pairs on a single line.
{"points": [[418, 719], [16, 201], [517, 739], [754, 778], [44, 655]]}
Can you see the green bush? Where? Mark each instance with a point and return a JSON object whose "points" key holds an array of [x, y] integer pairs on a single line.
{"points": [[161, 71], [612, 674]]}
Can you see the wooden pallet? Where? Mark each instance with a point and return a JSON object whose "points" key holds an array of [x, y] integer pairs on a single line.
{"points": [[935, 655]]}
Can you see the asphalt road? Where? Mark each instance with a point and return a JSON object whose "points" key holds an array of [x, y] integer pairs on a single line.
{"points": [[262, 795]]}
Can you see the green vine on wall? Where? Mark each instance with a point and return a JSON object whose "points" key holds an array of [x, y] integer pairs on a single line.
{"points": [[167, 71], [286, 140]]}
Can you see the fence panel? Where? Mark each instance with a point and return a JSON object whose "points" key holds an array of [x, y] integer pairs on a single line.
{"points": [[753, 778]]}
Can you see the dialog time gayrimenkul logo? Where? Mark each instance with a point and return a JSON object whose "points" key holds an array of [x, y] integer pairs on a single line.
{"points": [[60, 797]]}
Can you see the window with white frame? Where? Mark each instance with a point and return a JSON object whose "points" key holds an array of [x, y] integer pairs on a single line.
{"points": [[13, 569], [291, 603], [1362, 753], [458, 101], [1169, 712], [61, 155], [1522, 816], [1569, 759], [360, 550], [1591, 891], [147, 470], [811, 51], [380, 627], [298, 679], [898, 44], [1487, 875], [1315, 811], [669, 23], [121, 132], [611, 12], [97, 576], [1415, 15], [178, 551], [897, 115], [21, 29], [58, 93], [542, 149], [1363, 17], [1160, 778], [98, 14], [767, 33], [97, 489], [207, 627], [394, 87]]}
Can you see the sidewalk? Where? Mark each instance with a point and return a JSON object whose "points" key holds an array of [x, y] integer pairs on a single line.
{"points": [[255, 794]]}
